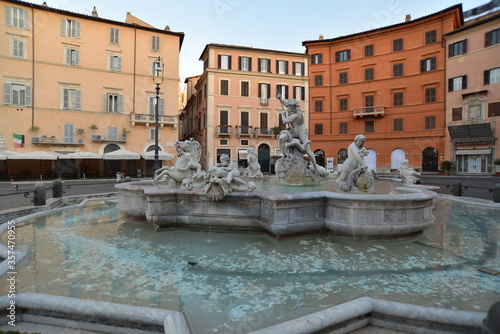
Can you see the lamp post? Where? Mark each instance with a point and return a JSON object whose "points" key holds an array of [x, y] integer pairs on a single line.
{"points": [[158, 80]]}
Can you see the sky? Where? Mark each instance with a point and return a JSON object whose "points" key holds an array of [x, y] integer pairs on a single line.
{"points": [[266, 24]]}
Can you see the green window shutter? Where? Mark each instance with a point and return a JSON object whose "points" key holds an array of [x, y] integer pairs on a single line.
{"points": [[65, 98], [151, 106], [106, 102], [7, 93], [26, 20], [78, 100], [161, 107], [77, 29], [8, 16], [64, 24], [27, 100], [120, 103], [68, 56], [77, 57]]}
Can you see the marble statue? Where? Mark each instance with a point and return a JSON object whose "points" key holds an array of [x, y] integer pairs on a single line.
{"points": [[253, 169], [407, 174], [295, 143], [354, 172]]}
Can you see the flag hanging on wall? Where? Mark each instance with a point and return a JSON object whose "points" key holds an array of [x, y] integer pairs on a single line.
{"points": [[18, 140]]}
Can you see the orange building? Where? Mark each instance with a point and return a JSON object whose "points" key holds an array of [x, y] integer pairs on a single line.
{"points": [[233, 106], [386, 83], [473, 95], [74, 82]]}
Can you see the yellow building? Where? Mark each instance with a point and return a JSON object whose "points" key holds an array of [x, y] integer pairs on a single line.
{"points": [[74, 82], [233, 106]]}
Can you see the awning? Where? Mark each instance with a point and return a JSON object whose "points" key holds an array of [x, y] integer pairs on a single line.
{"points": [[81, 155], [121, 155], [37, 155], [5, 154], [242, 154], [150, 155], [473, 152]]}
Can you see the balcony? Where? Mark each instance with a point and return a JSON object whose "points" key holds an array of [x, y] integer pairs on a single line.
{"points": [[224, 130], [102, 139], [369, 111], [244, 131], [264, 132], [54, 140], [150, 119]]}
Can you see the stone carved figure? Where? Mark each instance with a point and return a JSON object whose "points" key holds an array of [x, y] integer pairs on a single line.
{"points": [[187, 164], [354, 172], [294, 143], [407, 174], [220, 181], [253, 169]]}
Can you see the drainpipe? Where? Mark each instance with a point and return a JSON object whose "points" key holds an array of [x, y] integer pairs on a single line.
{"points": [[331, 88], [135, 67], [33, 66]]}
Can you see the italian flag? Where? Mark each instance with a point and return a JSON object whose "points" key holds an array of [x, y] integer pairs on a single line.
{"points": [[18, 140]]}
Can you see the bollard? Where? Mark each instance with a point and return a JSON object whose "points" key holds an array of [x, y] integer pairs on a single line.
{"points": [[40, 198], [496, 193], [457, 188], [57, 191]]}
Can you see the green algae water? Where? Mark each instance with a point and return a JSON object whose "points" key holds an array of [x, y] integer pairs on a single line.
{"points": [[243, 282]]}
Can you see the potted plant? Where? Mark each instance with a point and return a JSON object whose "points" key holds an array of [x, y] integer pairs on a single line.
{"points": [[93, 127], [124, 134], [446, 166], [34, 128], [497, 167], [277, 130]]}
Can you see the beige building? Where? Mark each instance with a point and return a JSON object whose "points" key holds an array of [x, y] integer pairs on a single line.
{"points": [[233, 106], [473, 95], [74, 82]]}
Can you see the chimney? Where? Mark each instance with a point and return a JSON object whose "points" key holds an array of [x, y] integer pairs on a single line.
{"points": [[45, 4], [408, 18], [94, 12], [321, 37]]}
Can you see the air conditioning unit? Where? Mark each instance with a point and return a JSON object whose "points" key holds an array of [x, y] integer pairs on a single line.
{"points": [[80, 141], [99, 137]]}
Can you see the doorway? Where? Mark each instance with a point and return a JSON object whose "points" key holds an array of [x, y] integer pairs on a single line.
{"points": [[264, 157]]}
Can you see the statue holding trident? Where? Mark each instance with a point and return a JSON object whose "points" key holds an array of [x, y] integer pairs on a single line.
{"points": [[294, 143]]}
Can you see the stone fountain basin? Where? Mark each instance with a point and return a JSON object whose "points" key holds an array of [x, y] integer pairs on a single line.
{"points": [[402, 214]]}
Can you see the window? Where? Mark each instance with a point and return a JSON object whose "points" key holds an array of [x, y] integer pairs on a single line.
{"points": [[492, 37], [298, 68], [430, 95], [283, 90], [115, 63], [343, 128], [155, 43], [318, 129], [494, 109], [224, 87], [17, 48], [71, 99], [317, 58], [369, 126], [152, 134], [114, 36], [264, 93], [457, 83], [245, 63], [224, 62], [492, 76], [397, 45], [244, 88], [244, 116], [343, 104], [264, 65], [70, 28], [430, 37], [456, 114], [398, 125], [318, 80], [72, 57], [16, 17], [397, 70], [369, 103], [224, 121], [68, 133], [17, 94], [299, 93], [457, 48], [369, 74], [112, 133], [264, 125], [152, 106], [344, 55], [282, 66], [318, 105], [369, 50], [430, 122], [397, 99], [114, 103], [428, 64], [342, 78]]}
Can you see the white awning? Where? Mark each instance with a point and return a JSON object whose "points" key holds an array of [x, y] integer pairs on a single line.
{"points": [[5, 154], [37, 155], [81, 155], [473, 152], [121, 155], [150, 155]]}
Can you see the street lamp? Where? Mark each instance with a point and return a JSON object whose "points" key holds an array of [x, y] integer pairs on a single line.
{"points": [[158, 80]]}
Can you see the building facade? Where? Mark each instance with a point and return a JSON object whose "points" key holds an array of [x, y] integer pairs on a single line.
{"points": [[233, 105], [74, 82], [473, 95], [387, 83]]}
